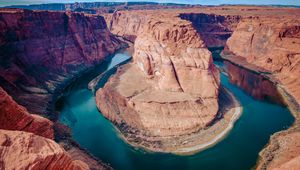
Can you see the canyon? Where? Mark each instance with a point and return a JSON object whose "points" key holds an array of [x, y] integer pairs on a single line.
{"points": [[260, 57], [167, 99], [40, 53]]}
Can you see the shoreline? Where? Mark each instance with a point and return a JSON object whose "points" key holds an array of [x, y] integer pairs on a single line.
{"points": [[184, 150], [236, 115], [290, 103]]}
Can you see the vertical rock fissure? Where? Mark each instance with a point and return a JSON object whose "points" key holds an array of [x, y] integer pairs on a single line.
{"points": [[176, 75]]}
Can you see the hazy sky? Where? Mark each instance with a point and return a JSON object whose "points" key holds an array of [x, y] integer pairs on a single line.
{"points": [[204, 2]]}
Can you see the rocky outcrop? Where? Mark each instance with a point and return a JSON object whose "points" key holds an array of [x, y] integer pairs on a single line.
{"points": [[22, 150], [41, 51], [16, 117], [170, 89], [282, 152], [272, 44], [214, 29], [126, 24]]}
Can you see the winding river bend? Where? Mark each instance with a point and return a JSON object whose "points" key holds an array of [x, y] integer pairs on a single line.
{"points": [[239, 150]]}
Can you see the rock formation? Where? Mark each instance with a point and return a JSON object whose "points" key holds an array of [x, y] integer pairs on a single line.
{"points": [[170, 89], [282, 152], [41, 51], [258, 86], [214, 29], [126, 24], [22, 150], [263, 58], [262, 54], [272, 44], [16, 117]]}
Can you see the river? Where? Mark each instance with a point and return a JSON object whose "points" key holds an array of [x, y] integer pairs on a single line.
{"points": [[239, 150]]}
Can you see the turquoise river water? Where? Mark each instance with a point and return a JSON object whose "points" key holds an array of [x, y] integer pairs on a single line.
{"points": [[239, 150]]}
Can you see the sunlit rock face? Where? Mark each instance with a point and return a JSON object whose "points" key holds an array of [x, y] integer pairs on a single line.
{"points": [[272, 44], [170, 89], [22, 150], [126, 24], [40, 51]]}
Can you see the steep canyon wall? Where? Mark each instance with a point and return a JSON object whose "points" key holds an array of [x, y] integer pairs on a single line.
{"points": [[40, 51], [263, 59]]}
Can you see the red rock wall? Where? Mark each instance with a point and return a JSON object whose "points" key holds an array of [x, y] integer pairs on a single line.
{"points": [[214, 29], [40, 51], [22, 150], [258, 86], [16, 117], [272, 44], [126, 24], [270, 47]]}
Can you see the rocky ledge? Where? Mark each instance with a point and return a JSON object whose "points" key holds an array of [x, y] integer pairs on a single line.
{"points": [[23, 150], [169, 93]]}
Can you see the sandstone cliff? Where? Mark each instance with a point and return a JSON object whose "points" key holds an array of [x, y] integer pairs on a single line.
{"points": [[214, 29], [22, 150], [263, 58], [16, 117], [170, 89], [126, 24], [272, 44], [40, 51]]}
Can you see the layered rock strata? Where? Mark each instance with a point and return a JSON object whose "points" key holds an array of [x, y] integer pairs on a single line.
{"points": [[214, 29], [16, 117], [23, 150], [170, 89], [263, 58], [282, 152], [40, 51], [126, 24], [272, 44]]}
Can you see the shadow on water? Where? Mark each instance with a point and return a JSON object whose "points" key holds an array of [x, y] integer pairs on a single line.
{"points": [[239, 150]]}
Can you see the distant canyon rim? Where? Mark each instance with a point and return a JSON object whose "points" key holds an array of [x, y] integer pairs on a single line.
{"points": [[162, 99]]}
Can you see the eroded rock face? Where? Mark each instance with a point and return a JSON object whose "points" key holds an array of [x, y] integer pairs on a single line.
{"points": [[272, 44], [22, 150], [170, 89], [269, 48], [40, 51], [16, 117], [258, 86], [282, 152], [126, 24], [214, 29]]}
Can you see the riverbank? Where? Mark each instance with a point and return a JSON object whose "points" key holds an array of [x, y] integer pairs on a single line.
{"points": [[229, 112], [277, 151]]}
